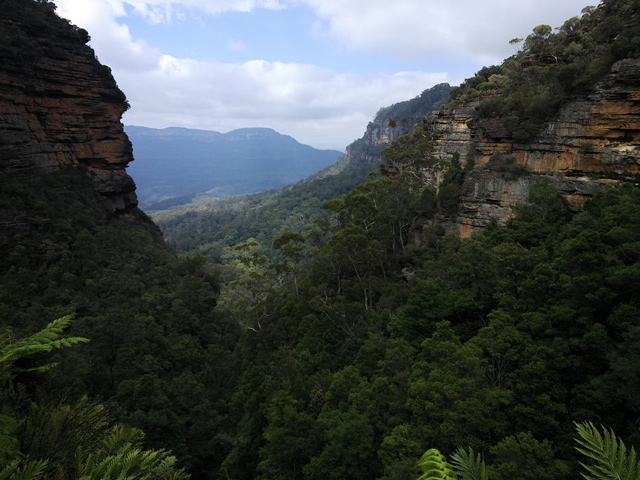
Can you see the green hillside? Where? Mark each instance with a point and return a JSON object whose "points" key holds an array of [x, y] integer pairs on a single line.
{"points": [[332, 345]]}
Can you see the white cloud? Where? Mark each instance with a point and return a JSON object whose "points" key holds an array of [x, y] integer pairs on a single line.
{"points": [[164, 11], [314, 105], [419, 29], [111, 40], [317, 106], [410, 29]]}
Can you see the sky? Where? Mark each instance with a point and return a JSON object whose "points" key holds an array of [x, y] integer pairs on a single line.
{"points": [[317, 70]]}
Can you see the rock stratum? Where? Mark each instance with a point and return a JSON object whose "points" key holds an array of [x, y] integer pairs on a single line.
{"points": [[594, 140], [59, 107], [389, 124]]}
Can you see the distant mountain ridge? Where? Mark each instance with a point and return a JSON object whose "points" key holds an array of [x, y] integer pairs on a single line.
{"points": [[176, 162], [203, 225]]}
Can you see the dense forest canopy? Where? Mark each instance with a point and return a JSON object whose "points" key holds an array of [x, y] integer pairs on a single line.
{"points": [[345, 351]]}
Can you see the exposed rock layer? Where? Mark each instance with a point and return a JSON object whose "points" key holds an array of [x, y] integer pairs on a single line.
{"points": [[60, 108], [389, 124], [592, 141]]}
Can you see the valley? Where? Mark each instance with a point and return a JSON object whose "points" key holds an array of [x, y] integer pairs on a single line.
{"points": [[463, 281]]}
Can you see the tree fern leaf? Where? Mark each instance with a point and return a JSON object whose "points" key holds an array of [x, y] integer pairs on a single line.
{"points": [[468, 465], [435, 466], [31, 470], [44, 341], [609, 454]]}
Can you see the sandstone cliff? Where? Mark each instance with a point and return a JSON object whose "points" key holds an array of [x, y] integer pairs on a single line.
{"points": [[592, 141], [389, 124], [59, 107]]}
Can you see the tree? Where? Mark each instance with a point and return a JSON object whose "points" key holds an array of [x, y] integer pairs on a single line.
{"points": [[291, 244], [66, 441]]}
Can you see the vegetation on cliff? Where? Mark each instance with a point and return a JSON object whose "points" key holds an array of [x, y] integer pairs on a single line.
{"points": [[529, 87], [158, 348], [345, 353]]}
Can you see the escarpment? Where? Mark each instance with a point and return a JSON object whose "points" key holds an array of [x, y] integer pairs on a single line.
{"points": [[389, 124], [59, 107], [593, 140]]}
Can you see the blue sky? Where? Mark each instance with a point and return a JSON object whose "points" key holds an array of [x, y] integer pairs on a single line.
{"points": [[317, 70]]}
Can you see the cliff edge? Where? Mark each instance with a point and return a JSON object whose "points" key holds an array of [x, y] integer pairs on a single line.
{"points": [[59, 107], [594, 140]]}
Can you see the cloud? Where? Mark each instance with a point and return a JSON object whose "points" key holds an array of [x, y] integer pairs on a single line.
{"points": [[111, 40], [419, 29], [410, 29], [164, 11], [314, 105]]}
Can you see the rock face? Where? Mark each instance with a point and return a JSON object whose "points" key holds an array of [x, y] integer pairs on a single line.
{"points": [[593, 140], [59, 107], [389, 124]]}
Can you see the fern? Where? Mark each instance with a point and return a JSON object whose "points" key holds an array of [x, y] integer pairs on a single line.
{"points": [[120, 458], [435, 466], [28, 471], [610, 460], [468, 465], [44, 341]]}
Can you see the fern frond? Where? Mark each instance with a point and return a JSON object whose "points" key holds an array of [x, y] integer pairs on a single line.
{"points": [[468, 465], [122, 436], [121, 458], [610, 460], [435, 466], [29, 471], [45, 340]]}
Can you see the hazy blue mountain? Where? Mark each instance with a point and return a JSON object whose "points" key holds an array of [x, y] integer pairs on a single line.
{"points": [[175, 162]]}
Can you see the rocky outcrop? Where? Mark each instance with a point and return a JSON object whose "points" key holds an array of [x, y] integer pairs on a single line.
{"points": [[593, 140], [389, 124], [59, 107]]}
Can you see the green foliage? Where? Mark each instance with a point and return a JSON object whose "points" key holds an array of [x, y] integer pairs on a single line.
{"points": [[524, 457], [159, 354], [65, 441], [17, 470], [529, 87], [499, 342], [468, 465], [608, 454], [44, 341], [119, 457], [495, 334], [435, 465]]}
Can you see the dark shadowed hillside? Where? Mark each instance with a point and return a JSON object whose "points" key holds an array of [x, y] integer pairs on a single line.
{"points": [[358, 328]]}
